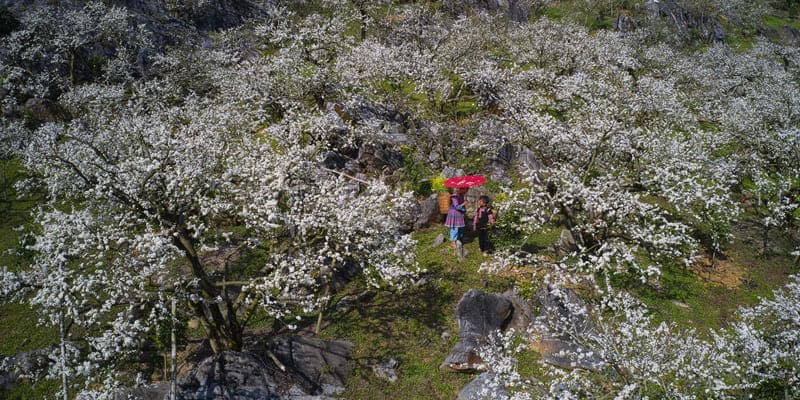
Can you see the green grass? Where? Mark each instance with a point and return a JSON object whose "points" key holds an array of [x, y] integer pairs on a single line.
{"points": [[21, 332], [713, 306], [44, 389], [19, 327], [409, 326], [555, 12], [777, 22], [18, 322]]}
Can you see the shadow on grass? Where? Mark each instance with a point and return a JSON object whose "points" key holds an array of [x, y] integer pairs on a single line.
{"points": [[395, 323]]}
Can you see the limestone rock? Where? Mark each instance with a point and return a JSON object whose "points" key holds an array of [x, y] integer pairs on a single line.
{"points": [[316, 365], [521, 314], [461, 252], [481, 388], [438, 240], [566, 242], [39, 111], [428, 213], [284, 367], [478, 315], [515, 10], [26, 366], [158, 391], [564, 316], [566, 354], [562, 306], [527, 159], [333, 160], [229, 375], [450, 172], [387, 370], [684, 22], [380, 158]]}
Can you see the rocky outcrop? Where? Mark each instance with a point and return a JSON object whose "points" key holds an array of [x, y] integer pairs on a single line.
{"points": [[685, 22], [285, 367], [387, 370], [38, 111], [483, 387], [428, 213], [566, 243], [515, 10], [521, 313], [314, 365], [230, 375], [478, 314], [158, 391], [564, 318], [509, 156], [25, 366]]}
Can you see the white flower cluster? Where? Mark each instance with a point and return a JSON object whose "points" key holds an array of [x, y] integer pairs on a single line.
{"points": [[638, 147], [39, 59], [646, 359]]}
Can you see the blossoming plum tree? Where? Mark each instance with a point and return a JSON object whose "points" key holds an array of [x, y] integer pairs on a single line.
{"points": [[147, 182], [42, 57], [640, 150]]}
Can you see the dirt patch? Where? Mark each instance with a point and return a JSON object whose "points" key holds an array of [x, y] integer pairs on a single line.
{"points": [[719, 272]]}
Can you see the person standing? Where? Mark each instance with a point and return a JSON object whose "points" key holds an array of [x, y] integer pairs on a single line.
{"points": [[455, 215], [484, 217]]}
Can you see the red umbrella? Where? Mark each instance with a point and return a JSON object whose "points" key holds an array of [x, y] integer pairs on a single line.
{"points": [[464, 181]]}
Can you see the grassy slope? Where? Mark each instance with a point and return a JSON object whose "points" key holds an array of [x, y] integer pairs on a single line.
{"points": [[409, 326], [19, 329], [17, 322], [712, 305]]}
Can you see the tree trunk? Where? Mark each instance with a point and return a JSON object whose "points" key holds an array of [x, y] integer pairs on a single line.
{"points": [[173, 376], [223, 328], [72, 67], [363, 14]]}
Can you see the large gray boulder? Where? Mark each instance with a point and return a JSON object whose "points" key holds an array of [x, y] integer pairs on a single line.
{"points": [[685, 22], [478, 314], [229, 375], [509, 155], [26, 366], [521, 314], [515, 10], [563, 310], [564, 319], [159, 391], [428, 213], [450, 172], [284, 367], [380, 158], [317, 366], [527, 159], [566, 243], [483, 387], [387, 370], [208, 15], [38, 111]]}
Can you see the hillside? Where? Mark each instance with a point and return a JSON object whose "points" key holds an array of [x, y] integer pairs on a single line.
{"points": [[242, 174]]}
